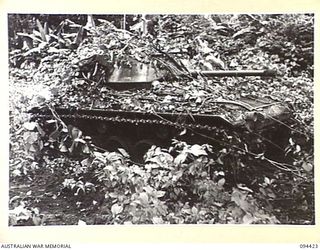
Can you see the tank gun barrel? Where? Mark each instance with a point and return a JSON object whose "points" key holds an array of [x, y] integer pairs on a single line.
{"points": [[123, 78], [236, 73]]}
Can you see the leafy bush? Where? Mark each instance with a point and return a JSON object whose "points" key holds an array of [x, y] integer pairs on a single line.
{"points": [[184, 184]]}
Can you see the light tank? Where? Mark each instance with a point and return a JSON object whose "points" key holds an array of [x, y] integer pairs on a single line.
{"points": [[136, 105]]}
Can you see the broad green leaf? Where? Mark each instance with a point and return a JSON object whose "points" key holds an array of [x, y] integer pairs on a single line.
{"points": [[233, 63], [21, 212], [59, 28], [267, 180], [80, 140], [157, 220], [41, 30], [181, 158], [215, 61], [248, 219], [30, 36], [138, 170], [219, 161], [144, 198], [33, 148], [241, 32], [13, 219], [14, 198], [186, 210], [221, 173], [51, 121], [237, 196], [221, 182], [40, 130], [162, 159], [160, 194], [69, 183], [36, 33], [63, 148], [16, 172], [291, 141], [148, 189], [194, 210], [208, 65], [244, 188], [79, 37], [116, 209], [86, 149], [197, 150], [113, 195], [40, 145], [37, 220], [262, 190], [183, 132], [90, 22], [114, 156], [176, 190], [99, 156], [89, 184], [307, 166], [82, 223], [46, 28], [86, 162], [236, 212], [36, 210], [124, 152], [30, 125], [270, 193]]}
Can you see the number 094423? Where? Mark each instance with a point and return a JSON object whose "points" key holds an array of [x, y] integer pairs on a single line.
{"points": [[308, 246]]}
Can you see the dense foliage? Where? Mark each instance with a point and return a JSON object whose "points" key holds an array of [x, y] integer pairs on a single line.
{"points": [[57, 175]]}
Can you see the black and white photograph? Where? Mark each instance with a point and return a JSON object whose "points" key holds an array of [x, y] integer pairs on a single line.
{"points": [[134, 119]]}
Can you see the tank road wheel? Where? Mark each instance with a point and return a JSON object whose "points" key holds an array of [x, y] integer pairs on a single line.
{"points": [[140, 148], [115, 142]]}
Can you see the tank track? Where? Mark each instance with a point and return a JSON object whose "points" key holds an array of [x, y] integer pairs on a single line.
{"points": [[137, 121], [136, 131]]}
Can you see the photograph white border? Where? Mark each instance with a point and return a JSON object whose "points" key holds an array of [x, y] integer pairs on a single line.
{"points": [[149, 233]]}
